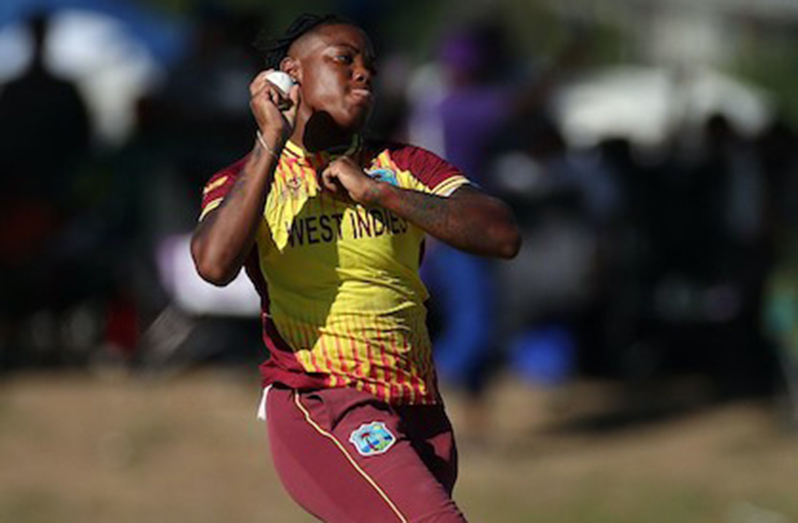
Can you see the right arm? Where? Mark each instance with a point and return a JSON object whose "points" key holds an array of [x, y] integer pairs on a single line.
{"points": [[223, 239]]}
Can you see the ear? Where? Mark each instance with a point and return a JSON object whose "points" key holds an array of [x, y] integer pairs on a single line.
{"points": [[292, 67]]}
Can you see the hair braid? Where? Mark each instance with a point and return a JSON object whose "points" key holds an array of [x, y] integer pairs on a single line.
{"points": [[275, 49]]}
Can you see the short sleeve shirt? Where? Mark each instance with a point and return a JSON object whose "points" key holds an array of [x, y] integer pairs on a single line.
{"points": [[343, 304]]}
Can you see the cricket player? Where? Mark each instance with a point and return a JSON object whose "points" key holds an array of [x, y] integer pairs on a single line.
{"points": [[330, 229]]}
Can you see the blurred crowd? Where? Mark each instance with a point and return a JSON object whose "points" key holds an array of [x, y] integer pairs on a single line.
{"points": [[639, 259]]}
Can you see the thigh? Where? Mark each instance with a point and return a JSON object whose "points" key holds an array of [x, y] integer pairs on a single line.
{"points": [[432, 436], [345, 457]]}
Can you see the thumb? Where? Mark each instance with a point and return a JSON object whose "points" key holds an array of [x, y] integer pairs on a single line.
{"points": [[295, 97], [328, 179]]}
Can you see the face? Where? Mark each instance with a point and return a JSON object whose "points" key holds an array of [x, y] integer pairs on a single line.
{"points": [[334, 65]]}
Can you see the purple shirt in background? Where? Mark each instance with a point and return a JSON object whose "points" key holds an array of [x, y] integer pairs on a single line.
{"points": [[471, 117]]}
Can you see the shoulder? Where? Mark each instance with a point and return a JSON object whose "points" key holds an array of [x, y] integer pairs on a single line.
{"points": [[223, 178], [230, 171], [217, 187], [408, 157], [430, 170]]}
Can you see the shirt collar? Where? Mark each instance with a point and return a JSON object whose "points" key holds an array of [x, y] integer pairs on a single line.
{"points": [[294, 150]]}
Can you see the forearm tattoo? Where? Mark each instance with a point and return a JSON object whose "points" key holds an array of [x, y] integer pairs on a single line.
{"points": [[457, 221]]}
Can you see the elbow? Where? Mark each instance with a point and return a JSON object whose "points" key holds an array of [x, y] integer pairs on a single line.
{"points": [[213, 274], [209, 269], [509, 244], [508, 235]]}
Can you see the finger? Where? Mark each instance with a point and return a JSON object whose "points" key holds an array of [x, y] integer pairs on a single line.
{"points": [[335, 164], [259, 82], [274, 96], [278, 97], [330, 182], [293, 98], [294, 94]]}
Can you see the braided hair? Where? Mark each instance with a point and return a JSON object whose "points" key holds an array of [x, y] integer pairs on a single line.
{"points": [[275, 49]]}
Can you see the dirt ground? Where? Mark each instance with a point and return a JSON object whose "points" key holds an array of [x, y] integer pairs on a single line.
{"points": [[110, 448]]}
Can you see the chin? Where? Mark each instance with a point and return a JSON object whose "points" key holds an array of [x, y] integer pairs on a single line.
{"points": [[353, 121]]}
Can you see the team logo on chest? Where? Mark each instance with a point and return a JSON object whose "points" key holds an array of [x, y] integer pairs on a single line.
{"points": [[372, 439], [294, 184], [293, 188], [382, 174]]}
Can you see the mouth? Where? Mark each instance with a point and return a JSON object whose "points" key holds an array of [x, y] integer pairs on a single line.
{"points": [[362, 94]]}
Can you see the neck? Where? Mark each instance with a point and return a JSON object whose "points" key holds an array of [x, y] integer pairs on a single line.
{"points": [[319, 132]]}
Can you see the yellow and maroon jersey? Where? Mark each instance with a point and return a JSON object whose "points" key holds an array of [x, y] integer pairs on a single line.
{"points": [[343, 305]]}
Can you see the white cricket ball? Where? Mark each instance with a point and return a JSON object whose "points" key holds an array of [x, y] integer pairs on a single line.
{"points": [[281, 80]]}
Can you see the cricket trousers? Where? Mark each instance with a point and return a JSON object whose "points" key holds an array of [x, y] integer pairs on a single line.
{"points": [[347, 457]]}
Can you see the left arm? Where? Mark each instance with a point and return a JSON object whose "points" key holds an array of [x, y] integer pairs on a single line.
{"points": [[469, 219]]}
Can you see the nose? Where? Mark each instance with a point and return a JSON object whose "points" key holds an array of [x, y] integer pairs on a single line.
{"points": [[362, 74]]}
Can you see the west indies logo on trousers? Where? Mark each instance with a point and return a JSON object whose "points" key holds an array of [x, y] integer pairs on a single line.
{"points": [[372, 438]]}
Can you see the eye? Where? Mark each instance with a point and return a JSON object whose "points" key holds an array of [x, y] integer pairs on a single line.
{"points": [[345, 59]]}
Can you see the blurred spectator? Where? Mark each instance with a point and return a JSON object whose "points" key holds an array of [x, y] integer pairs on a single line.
{"points": [[191, 125], [202, 105], [458, 115], [463, 110], [701, 256], [44, 135], [565, 203], [777, 155], [44, 139]]}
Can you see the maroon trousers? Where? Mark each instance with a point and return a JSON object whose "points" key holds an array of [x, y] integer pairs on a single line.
{"points": [[346, 456]]}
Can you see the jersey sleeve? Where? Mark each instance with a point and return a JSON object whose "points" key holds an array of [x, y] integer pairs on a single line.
{"points": [[218, 186], [430, 172]]}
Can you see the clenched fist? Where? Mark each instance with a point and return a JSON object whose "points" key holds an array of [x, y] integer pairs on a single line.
{"points": [[275, 124], [345, 178]]}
